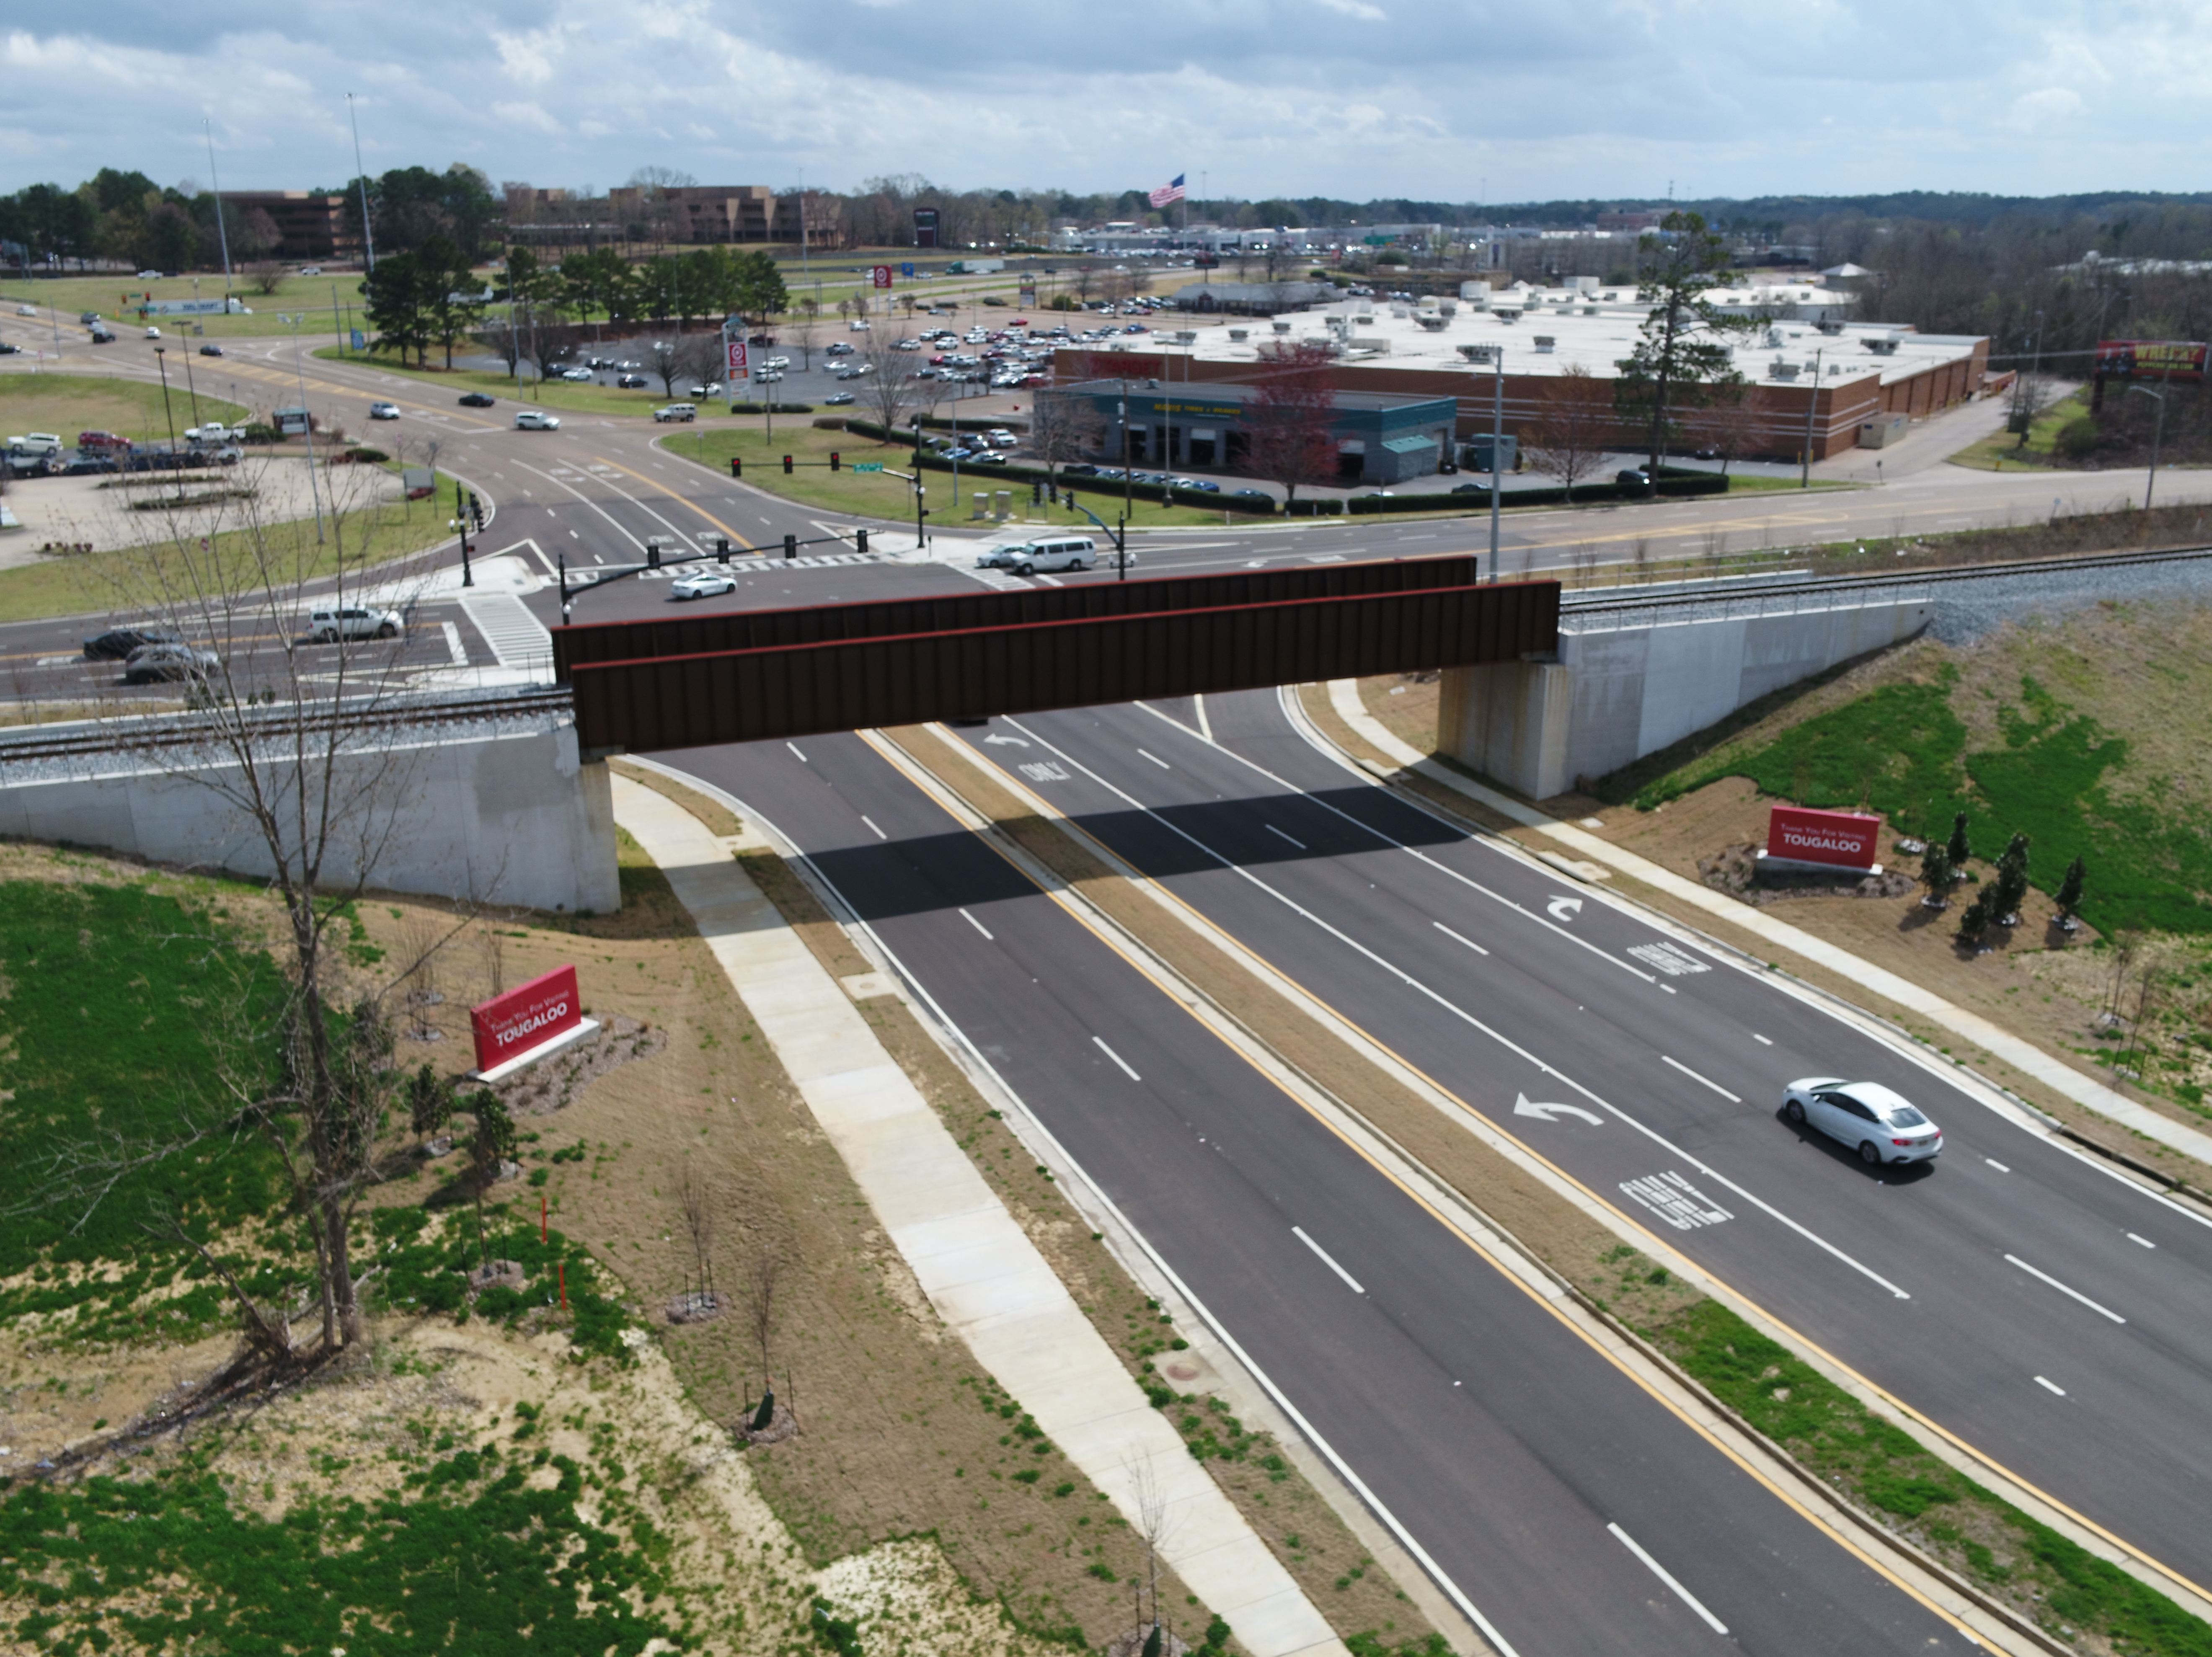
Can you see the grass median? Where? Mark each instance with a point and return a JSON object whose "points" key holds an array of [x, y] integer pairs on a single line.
{"points": [[562, 396]]}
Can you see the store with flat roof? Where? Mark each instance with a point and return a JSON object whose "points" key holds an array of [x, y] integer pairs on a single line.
{"points": [[1379, 438]]}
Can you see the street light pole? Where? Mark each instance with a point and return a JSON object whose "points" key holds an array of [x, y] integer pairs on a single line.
{"points": [[1805, 455], [2158, 431], [223, 230], [315, 486], [161, 361], [367, 235], [191, 389], [460, 521]]}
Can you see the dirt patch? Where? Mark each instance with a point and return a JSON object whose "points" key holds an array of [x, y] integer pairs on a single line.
{"points": [[722, 822], [1735, 870]]}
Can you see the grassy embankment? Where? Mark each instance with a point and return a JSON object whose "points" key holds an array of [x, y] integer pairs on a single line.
{"points": [[72, 402], [2003, 451]]}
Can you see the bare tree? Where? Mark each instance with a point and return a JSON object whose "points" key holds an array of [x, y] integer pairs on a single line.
{"points": [[889, 388], [1155, 1524], [808, 332], [664, 360], [696, 1199], [2031, 396], [491, 945], [763, 1285], [698, 359], [1062, 429], [1731, 430], [1572, 427], [1293, 440], [267, 275]]}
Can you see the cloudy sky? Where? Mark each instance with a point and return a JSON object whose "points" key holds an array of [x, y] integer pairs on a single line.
{"points": [[1451, 100]]}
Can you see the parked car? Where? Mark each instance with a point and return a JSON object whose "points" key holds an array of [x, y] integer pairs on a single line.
{"points": [[1633, 476], [1251, 495], [582, 376], [116, 643], [166, 663], [633, 382], [704, 585], [1202, 485], [384, 411], [837, 399], [477, 400], [327, 627], [536, 420], [1880, 1123], [1080, 469], [97, 440]]}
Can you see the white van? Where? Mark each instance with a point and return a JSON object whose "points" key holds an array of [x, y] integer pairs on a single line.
{"points": [[1052, 553], [329, 626]]}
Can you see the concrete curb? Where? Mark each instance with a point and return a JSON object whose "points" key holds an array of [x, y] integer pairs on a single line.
{"points": [[979, 1268]]}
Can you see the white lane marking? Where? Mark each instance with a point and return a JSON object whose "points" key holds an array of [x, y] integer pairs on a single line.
{"points": [[2074, 1294], [870, 822], [1205, 727], [1524, 1106], [1353, 1282], [978, 925], [2145, 1242], [1996, 1164], [1456, 938], [1732, 1098], [1447, 1005], [1158, 761], [1660, 1572], [1564, 909], [1675, 1200], [454, 647], [1117, 1059], [1761, 1040], [1674, 961], [2053, 1385], [795, 754], [1271, 829]]}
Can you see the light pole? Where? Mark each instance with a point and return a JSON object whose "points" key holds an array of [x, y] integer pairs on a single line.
{"points": [[223, 230], [460, 521], [2158, 431], [1812, 403], [1495, 356], [191, 389], [368, 236], [161, 361], [314, 486]]}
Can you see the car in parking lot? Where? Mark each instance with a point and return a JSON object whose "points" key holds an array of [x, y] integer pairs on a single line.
{"points": [[477, 400], [536, 420], [97, 440], [1883, 1125], [166, 663], [1251, 495], [381, 411], [705, 584], [837, 399], [632, 382], [1633, 476], [582, 376], [116, 643], [327, 627]]}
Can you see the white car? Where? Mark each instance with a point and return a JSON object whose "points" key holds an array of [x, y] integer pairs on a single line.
{"points": [[701, 586], [1077, 552], [327, 627], [537, 420], [666, 412], [581, 375], [153, 333], [384, 411], [1881, 1124]]}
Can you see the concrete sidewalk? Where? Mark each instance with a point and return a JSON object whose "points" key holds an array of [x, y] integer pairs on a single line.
{"points": [[978, 1267], [2022, 1054]]}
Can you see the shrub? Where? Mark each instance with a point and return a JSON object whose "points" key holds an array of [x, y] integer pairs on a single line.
{"points": [[2077, 439], [830, 423], [367, 457]]}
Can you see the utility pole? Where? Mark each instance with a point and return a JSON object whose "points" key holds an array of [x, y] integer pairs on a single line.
{"points": [[161, 361], [1805, 459], [367, 235], [2158, 431], [315, 486], [222, 230]]}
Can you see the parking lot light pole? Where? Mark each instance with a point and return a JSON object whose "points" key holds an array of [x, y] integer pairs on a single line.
{"points": [[314, 488], [161, 361]]}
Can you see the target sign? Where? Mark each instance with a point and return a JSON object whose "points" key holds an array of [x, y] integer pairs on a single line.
{"points": [[739, 363]]}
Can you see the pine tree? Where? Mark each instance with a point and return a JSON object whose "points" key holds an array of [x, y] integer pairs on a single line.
{"points": [[2069, 897], [2012, 881], [1936, 875], [1958, 848], [1976, 920]]}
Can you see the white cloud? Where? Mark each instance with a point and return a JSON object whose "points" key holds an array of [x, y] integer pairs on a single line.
{"points": [[1359, 8], [2034, 109]]}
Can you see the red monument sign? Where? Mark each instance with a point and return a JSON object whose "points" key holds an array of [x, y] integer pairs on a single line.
{"points": [[1799, 838], [527, 1023]]}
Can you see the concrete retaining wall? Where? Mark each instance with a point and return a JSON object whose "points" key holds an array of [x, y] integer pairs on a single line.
{"points": [[510, 817], [1617, 694]]}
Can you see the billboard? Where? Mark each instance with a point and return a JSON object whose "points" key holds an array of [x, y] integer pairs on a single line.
{"points": [[1839, 840], [925, 227], [2151, 359], [508, 1027]]}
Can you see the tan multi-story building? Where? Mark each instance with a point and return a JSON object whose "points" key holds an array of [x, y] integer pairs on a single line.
{"points": [[729, 213]]}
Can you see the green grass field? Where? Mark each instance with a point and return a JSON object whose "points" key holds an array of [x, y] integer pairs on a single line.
{"points": [[2001, 451], [563, 397], [105, 583], [69, 404]]}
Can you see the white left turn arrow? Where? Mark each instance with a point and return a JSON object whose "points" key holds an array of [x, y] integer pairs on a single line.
{"points": [[1562, 908], [1016, 741], [1524, 1106]]}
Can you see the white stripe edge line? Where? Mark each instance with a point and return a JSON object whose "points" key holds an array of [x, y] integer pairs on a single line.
{"points": [[1158, 761], [870, 822], [1279, 835], [1456, 938], [2145, 1242], [1327, 1259], [1996, 1164], [1732, 1098], [2053, 1385], [1662, 1573], [2073, 1294], [1117, 1059], [978, 925]]}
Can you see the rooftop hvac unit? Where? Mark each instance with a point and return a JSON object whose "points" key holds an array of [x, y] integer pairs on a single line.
{"points": [[1783, 371], [1399, 312], [1376, 342], [1281, 326], [1774, 336], [1883, 346], [1448, 306], [1508, 313], [1434, 321], [1830, 326], [1238, 336], [1548, 344]]}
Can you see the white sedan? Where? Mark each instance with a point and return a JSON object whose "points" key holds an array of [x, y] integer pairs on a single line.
{"points": [[537, 420], [701, 586], [1881, 1124]]}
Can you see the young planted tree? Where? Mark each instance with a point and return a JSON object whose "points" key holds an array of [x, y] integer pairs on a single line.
{"points": [[695, 1199], [490, 1146], [1572, 425], [1682, 359], [2011, 889], [888, 389], [1957, 847], [2068, 895], [1936, 876], [1292, 415], [429, 1103], [1974, 922]]}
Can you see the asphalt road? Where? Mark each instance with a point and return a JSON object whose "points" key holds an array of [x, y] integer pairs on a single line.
{"points": [[1515, 1455], [2022, 1296]]}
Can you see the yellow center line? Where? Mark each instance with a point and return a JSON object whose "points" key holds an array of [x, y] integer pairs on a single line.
{"points": [[684, 500]]}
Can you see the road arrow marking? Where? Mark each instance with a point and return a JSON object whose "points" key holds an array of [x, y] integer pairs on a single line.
{"points": [[1016, 741], [1562, 908], [1524, 1106]]}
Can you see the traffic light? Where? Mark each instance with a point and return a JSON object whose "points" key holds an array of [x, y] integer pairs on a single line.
{"points": [[476, 511], [721, 549], [1037, 493], [786, 465], [833, 461], [737, 467], [790, 541], [860, 541], [651, 556]]}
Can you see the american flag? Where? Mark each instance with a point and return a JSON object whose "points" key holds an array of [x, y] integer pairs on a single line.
{"points": [[1171, 191]]}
